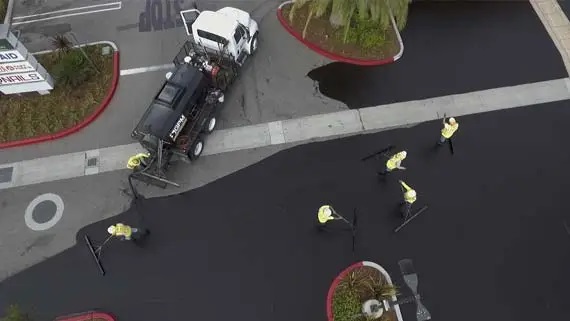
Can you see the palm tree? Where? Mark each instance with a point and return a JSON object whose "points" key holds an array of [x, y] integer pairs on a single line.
{"points": [[342, 12], [61, 44]]}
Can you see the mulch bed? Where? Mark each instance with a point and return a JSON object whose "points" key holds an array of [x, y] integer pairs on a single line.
{"points": [[348, 300], [3, 9], [32, 115], [323, 35]]}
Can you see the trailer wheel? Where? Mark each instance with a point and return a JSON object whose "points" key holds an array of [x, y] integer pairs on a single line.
{"points": [[211, 125], [196, 149], [253, 45]]}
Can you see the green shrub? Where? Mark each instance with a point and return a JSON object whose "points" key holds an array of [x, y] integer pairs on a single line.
{"points": [[13, 313], [3, 8], [72, 70], [346, 305], [367, 33]]}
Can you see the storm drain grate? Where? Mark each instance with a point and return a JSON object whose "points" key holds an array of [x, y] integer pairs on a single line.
{"points": [[6, 174], [92, 162]]}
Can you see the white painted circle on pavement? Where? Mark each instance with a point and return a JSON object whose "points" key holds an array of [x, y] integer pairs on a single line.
{"points": [[29, 218]]}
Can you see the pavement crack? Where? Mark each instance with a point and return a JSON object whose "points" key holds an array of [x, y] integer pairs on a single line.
{"points": [[43, 240], [360, 118]]}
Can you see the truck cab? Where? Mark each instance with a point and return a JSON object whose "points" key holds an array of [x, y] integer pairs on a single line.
{"points": [[229, 29]]}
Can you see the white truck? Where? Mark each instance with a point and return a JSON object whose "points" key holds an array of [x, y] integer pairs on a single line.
{"points": [[229, 29]]}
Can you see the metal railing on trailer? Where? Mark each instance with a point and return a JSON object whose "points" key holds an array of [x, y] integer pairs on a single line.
{"points": [[154, 173], [229, 68]]}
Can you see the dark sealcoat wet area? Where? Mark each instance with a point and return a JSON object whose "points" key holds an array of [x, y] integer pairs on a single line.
{"points": [[565, 6], [494, 243], [451, 48]]}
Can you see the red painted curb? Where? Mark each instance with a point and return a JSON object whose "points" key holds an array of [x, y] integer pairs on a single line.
{"points": [[333, 286], [82, 124], [329, 54], [86, 316]]}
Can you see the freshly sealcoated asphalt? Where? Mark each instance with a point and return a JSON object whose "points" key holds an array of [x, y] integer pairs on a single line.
{"points": [[494, 243], [451, 47], [565, 5]]}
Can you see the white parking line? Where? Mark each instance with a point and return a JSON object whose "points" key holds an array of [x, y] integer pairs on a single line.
{"points": [[58, 14], [133, 71]]}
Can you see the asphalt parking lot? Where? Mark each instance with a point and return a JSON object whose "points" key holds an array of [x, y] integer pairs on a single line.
{"points": [[496, 231], [451, 48]]}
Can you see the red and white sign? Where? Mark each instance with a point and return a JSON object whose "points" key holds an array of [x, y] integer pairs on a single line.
{"points": [[20, 78], [16, 67], [10, 56]]}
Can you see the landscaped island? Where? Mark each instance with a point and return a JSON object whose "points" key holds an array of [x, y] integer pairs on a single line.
{"points": [[356, 285], [356, 31], [83, 79]]}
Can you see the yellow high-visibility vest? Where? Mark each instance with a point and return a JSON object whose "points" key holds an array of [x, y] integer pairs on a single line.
{"points": [[394, 161], [135, 161], [409, 194], [123, 230], [448, 130], [322, 216]]}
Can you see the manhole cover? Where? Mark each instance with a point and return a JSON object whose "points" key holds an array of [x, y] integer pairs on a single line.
{"points": [[44, 211]]}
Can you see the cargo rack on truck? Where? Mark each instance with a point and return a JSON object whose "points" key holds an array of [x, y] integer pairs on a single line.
{"points": [[183, 111]]}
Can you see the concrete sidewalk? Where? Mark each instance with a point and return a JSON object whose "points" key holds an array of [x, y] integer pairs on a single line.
{"points": [[557, 25], [305, 129]]}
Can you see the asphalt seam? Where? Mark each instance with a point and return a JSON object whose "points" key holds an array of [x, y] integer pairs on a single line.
{"points": [[299, 130], [557, 26]]}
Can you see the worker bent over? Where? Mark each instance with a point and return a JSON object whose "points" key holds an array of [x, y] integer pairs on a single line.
{"points": [[449, 128], [394, 163], [409, 199], [138, 161], [327, 213], [122, 231]]}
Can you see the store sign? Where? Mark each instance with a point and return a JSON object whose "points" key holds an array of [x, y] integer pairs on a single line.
{"points": [[16, 67], [10, 56], [20, 78]]}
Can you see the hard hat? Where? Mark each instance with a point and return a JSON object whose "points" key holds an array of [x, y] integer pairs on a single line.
{"points": [[411, 193], [187, 59], [168, 75], [325, 214], [111, 229], [403, 154], [452, 120]]}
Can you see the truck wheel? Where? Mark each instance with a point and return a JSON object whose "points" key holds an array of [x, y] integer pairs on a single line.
{"points": [[196, 149], [253, 45], [210, 125]]}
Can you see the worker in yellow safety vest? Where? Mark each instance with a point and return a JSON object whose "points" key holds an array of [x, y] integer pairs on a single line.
{"points": [[394, 162], [449, 128], [327, 213], [409, 199], [135, 161], [122, 231]]}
